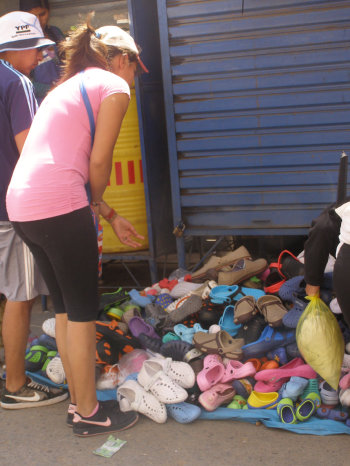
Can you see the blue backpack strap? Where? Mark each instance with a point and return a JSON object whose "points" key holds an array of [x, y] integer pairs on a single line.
{"points": [[88, 107], [92, 131]]}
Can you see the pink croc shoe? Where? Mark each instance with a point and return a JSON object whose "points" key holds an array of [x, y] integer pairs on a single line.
{"points": [[218, 395], [212, 372], [271, 380], [236, 370]]}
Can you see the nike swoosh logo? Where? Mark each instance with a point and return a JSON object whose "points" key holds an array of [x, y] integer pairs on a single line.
{"points": [[35, 397], [105, 423]]}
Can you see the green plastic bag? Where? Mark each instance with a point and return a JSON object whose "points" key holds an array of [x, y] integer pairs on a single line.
{"points": [[320, 341]]}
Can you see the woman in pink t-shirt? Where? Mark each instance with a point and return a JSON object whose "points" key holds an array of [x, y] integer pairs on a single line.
{"points": [[48, 205]]}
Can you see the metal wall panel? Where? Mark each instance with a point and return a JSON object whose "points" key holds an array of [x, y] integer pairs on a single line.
{"points": [[257, 100]]}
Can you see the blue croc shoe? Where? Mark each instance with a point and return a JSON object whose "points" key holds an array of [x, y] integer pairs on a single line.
{"points": [[185, 333], [183, 412], [294, 388], [292, 288], [270, 339], [223, 294], [226, 321], [292, 317]]}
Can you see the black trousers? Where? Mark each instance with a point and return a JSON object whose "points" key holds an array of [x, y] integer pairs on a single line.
{"points": [[65, 249], [341, 281]]}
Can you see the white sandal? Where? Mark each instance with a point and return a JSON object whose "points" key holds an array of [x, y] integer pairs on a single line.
{"points": [[55, 370], [161, 385], [180, 372], [132, 396], [49, 327]]}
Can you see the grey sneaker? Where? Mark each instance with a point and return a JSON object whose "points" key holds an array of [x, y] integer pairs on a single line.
{"points": [[32, 394]]}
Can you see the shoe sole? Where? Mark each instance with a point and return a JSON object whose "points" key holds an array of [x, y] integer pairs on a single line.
{"points": [[241, 278], [218, 268], [34, 404], [108, 430]]}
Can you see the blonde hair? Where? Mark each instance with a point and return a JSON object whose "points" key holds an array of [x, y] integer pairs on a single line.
{"points": [[82, 49]]}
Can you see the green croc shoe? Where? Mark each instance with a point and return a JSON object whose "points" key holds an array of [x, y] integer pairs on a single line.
{"points": [[35, 358], [286, 412], [306, 409], [312, 392]]}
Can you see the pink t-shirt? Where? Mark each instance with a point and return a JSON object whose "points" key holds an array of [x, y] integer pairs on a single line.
{"points": [[50, 176]]}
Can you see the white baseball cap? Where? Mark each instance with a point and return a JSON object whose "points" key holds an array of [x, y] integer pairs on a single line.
{"points": [[117, 37], [20, 30]]}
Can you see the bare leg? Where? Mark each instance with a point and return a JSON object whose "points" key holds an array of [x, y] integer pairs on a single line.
{"points": [[15, 333], [81, 352], [61, 340]]}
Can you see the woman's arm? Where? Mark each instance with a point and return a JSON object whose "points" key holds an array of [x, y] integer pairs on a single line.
{"points": [[108, 124]]}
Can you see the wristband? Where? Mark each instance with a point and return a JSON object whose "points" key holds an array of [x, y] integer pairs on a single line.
{"points": [[95, 204], [112, 214]]}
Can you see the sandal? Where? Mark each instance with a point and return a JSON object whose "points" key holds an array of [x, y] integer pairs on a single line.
{"points": [[236, 370], [334, 414], [137, 326], [286, 411], [269, 339], [35, 358], [165, 389], [227, 323], [219, 343], [180, 372], [132, 396], [245, 309], [219, 394], [272, 309], [212, 372]]}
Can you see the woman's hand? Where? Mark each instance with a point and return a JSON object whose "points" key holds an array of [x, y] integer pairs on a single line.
{"points": [[125, 231]]}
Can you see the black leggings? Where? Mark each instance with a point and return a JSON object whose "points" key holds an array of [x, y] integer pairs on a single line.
{"points": [[65, 249], [341, 281]]}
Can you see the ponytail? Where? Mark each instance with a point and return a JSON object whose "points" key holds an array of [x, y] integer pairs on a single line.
{"points": [[82, 49]]}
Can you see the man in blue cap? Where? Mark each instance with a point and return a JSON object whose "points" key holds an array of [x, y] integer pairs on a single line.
{"points": [[21, 41]]}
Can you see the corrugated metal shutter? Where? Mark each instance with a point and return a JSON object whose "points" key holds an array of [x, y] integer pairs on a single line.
{"points": [[258, 111]]}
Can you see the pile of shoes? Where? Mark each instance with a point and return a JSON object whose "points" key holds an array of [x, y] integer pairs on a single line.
{"points": [[222, 336]]}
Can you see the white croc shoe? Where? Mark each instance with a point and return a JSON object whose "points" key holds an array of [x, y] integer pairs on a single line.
{"points": [[55, 371], [49, 327], [161, 385], [132, 396], [180, 372]]}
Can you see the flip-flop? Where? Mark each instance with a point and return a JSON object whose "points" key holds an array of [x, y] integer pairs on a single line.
{"points": [[219, 343], [272, 308], [269, 339], [227, 323], [245, 309]]}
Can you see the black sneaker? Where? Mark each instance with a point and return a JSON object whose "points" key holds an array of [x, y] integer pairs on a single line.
{"points": [[72, 410], [32, 394], [107, 419]]}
